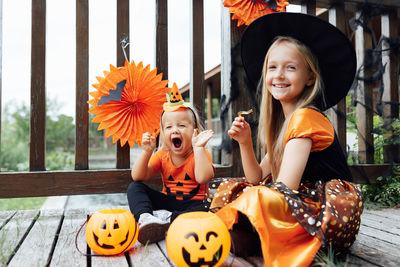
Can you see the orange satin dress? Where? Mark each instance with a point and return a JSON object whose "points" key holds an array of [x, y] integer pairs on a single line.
{"points": [[294, 224]]}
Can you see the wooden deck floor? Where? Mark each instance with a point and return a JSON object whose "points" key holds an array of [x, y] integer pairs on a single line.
{"points": [[47, 238]]}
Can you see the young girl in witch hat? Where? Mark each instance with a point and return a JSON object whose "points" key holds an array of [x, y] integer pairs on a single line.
{"points": [[303, 199], [185, 166]]}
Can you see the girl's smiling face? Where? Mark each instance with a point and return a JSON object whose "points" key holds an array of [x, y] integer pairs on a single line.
{"points": [[287, 73], [178, 127]]}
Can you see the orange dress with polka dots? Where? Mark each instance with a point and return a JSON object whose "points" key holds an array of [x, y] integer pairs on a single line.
{"points": [[293, 225]]}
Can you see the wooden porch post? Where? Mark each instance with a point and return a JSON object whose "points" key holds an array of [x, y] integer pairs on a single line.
{"points": [[123, 153], [364, 99], [82, 82], [162, 37], [389, 26], [197, 90], [308, 7], [337, 17], [37, 155]]}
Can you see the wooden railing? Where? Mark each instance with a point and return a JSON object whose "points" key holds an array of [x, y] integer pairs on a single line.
{"points": [[39, 182]]}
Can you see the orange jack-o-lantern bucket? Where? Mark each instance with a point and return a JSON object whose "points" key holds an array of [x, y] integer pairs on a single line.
{"points": [[198, 238], [111, 231]]}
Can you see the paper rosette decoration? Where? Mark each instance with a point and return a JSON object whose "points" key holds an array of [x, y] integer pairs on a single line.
{"points": [[245, 11], [129, 102]]}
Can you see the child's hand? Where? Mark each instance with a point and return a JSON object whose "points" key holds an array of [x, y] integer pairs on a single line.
{"points": [[201, 139], [148, 142], [240, 130]]}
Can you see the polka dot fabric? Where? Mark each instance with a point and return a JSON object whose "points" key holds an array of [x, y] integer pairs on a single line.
{"points": [[328, 211]]}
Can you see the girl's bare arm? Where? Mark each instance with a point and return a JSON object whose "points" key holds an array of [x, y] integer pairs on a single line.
{"points": [[295, 157], [142, 169]]}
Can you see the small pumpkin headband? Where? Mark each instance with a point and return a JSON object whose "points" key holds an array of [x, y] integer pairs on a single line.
{"points": [[175, 101]]}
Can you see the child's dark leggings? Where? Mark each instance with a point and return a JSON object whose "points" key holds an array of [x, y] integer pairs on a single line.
{"points": [[143, 199]]}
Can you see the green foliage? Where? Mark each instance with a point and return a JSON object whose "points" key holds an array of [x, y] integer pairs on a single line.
{"points": [[60, 138], [15, 139], [21, 203], [327, 259], [93, 127], [386, 192]]}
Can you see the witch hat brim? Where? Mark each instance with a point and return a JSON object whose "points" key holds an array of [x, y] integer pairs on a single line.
{"points": [[335, 52]]}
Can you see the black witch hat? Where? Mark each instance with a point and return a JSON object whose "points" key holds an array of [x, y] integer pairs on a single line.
{"points": [[335, 52]]}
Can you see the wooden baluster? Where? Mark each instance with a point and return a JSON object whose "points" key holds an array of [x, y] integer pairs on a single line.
{"points": [[123, 153], [37, 155], [337, 17], [389, 26], [82, 82], [162, 37], [364, 98], [197, 90]]}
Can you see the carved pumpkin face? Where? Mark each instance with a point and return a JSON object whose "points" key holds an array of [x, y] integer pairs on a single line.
{"points": [[178, 190], [198, 239], [111, 232], [175, 96]]}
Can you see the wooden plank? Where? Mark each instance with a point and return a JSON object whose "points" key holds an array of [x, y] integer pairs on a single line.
{"points": [[197, 90], [52, 183], [354, 261], [374, 252], [54, 203], [13, 233], [37, 155], [377, 223], [37, 246], [235, 261], [387, 215], [390, 59], [337, 17], [5, 216], [123, 155], [82, 84], [308, 7], [367, 173], [162, 245], [65, 252], [364, 98], [379, 234], [100, 261], [149, 255], [162, 37], [379, 246]]}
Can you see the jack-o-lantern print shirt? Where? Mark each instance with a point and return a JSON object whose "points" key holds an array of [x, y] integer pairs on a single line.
{"points": [[179, 181]]}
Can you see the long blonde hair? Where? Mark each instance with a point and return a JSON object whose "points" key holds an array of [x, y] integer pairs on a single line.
{"points": [[195, 119], [272, 123]]}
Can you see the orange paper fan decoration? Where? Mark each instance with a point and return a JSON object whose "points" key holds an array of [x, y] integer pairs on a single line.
{"points": [[246, 11], [129, 102]]}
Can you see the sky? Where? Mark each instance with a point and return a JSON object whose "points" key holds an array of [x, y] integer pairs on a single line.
{"points": [[60, 44]]}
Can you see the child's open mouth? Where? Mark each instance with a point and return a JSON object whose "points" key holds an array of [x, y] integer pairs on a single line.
{"points": [[177, 142]]}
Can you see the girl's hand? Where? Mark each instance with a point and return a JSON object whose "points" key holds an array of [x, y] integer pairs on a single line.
{"points": [[148, 142], [201, 139], [240, 130]]}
